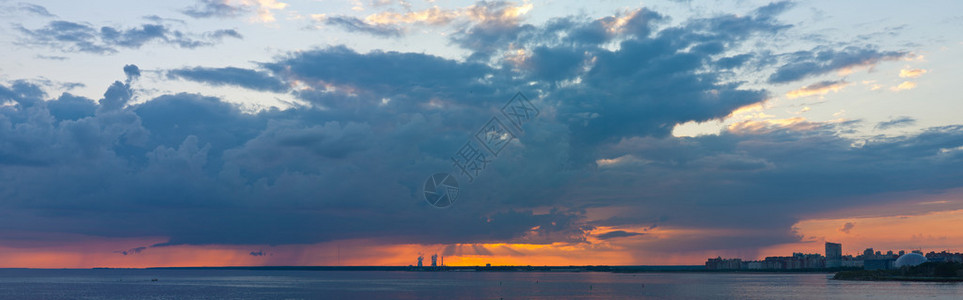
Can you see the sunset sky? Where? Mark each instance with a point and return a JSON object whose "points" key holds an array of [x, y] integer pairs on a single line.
{"points": [[285, 132]]}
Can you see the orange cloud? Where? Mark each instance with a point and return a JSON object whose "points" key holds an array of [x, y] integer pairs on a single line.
{"points": [[764, 126], [432, 16], [819, 88], [911, 73], [906, 85]]}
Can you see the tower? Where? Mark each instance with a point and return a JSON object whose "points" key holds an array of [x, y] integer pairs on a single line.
{"points": [[420, 259], [834, 255], [434, 260]]}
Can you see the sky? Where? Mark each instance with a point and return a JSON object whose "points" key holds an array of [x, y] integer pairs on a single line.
{"points": [[283, 132]]}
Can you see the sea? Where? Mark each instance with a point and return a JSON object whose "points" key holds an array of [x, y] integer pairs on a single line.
{"points": [[287, 284]]}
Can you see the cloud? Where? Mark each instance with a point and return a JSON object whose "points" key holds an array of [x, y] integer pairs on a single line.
{"points": [[621, 161], [119, 94], [495, 24], [336, 73], [911, 73], [352, 24], [245, 78], [70, 107], [35, 9], [772, 125], [211, 8], [618, 234], [51, 57], [897, 122], [804, 64], [158, 19], [132, 251], [847, 227], [820, 88], [198, 170], [80, 37], [132, 72], [393, 24], [232, 8], [432, 16], [904, 86]]}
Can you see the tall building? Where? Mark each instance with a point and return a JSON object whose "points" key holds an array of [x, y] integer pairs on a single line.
{"points": [[434, 260], [834, 255], [420, 260]]}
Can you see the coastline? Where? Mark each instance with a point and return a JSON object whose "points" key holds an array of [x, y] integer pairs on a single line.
{"points": [[925, 272]]}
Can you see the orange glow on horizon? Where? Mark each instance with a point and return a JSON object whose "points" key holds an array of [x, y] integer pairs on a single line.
{"points": [[936, 231], [929, 223]]}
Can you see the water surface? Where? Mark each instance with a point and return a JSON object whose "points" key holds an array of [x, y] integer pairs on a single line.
{"points": [[272, 284]]}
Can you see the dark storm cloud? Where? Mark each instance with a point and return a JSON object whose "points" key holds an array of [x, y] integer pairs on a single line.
{"points": [[822, 60], [70, 107], [618, 234], [132, 251], [352, 24], [408, 79], [245, 78], [809, 171], [198, 170], [80, 37], [897, 122], [162, 167], [654, 80]]}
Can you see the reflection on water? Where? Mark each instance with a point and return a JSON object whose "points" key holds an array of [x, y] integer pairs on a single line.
{"points": [[261, 284]]}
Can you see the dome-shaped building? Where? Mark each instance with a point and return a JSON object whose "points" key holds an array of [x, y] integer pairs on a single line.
{"points": [[909, 259]]}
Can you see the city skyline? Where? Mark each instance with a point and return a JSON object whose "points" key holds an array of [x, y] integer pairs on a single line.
{"points": [[556, 132], [834, 259]]}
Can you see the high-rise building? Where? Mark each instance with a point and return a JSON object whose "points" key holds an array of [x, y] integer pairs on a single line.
{"points": [[868, 253], [434, 260], [834, 255], [420, 260]]}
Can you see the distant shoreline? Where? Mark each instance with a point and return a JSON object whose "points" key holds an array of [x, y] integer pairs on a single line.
{"points": [[607, 269], [927, 272]]}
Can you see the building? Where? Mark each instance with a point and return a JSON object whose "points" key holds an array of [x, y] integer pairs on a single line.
{"points": [[944, 257], [434, 260], [878, 264], [834, 255], [420, 260], [909, 260], [851, 262], [720, 263]]}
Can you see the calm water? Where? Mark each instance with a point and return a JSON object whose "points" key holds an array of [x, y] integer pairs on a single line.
{"points": [[261, 284]]}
